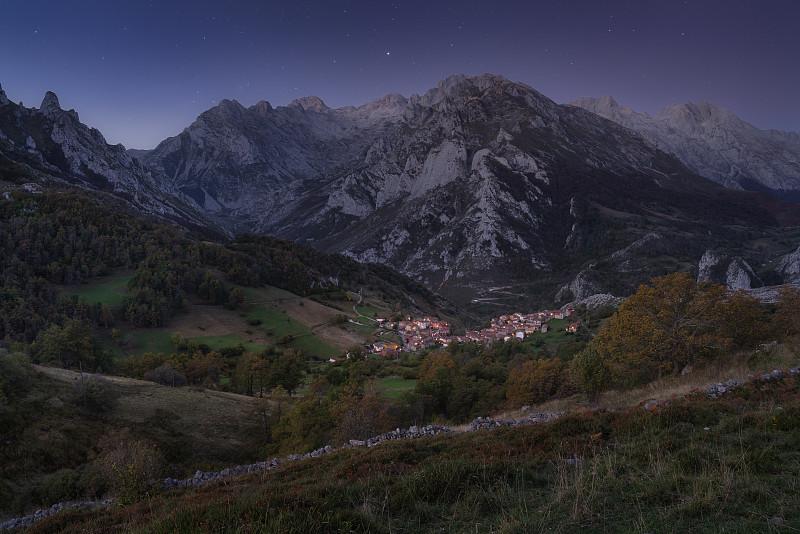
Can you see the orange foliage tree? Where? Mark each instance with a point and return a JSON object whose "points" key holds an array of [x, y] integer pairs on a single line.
{"points": [[672, 322], [536, 381]]}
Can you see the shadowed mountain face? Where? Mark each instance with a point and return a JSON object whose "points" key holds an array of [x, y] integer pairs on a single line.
{"points": [[479, 183], [716, 144], [55, 144], [481, 188]]}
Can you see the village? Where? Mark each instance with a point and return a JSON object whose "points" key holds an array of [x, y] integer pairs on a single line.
{"points": [[421, 333]]}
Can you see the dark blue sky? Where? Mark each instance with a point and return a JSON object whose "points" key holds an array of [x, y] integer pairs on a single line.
{"points": [[141, 71]]}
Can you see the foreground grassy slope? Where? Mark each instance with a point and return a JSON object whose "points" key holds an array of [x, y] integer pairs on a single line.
{"points": [[695, 465]]}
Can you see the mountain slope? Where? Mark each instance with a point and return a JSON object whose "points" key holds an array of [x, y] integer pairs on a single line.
{"points": [[55, 143], [716, 144], [478, 183]]}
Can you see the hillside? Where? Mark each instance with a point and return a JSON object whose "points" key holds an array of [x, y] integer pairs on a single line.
{"points": [[691, 464], [65, 243]]}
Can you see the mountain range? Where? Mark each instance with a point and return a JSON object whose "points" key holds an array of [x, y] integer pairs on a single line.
{"points": [[483, 189]]}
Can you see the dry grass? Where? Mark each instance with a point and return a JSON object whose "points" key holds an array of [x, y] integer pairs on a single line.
{"points": [[203, 320], [308, 312], [211, 419], [337, 338], [736, 367]]}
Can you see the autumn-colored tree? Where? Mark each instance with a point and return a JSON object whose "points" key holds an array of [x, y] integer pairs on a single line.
{"points": [[71, 345], [245, 373], [535, 381], [268, 410], [741, 319], [288, 370], [305, 428], [204, 369], [786, 321], [664, 326], [128, 464], [106, 315]]}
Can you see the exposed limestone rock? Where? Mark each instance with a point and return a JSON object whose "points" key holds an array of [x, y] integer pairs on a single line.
{"points": [[789, 268]]}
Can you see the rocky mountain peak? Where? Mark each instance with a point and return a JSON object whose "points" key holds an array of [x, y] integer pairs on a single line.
{"points": [[3, 98], [716, 144], [456, 84], [262, 106], [310, 103], [691, 114], [50, 103]]}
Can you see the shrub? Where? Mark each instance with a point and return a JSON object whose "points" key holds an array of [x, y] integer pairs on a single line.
{"points": [[60, 486], [128, 465], [166, 376], [15, 375], [95, 394]]}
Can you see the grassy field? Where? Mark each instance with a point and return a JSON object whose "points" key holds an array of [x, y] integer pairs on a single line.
{"points": [[280, 313], [153, 340], [110, 291], [365, 330], [276, 321], [371, 311], [394, 386], [205, 424], [694, 465], [311, 344], [228, 340]]}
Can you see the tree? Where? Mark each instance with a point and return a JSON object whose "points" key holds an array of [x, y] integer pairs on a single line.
{"points": [[590, 372], [435, 382], [95, 394], [360, 413], [742, 319], [664, 326], [305, 427], [787, 315], [166, 376], [268, 411], [535, 381], [106, 316], [287, 370], [72, 344]]}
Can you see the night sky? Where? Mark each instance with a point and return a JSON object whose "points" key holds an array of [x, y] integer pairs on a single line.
{"points": [[142, 71]]}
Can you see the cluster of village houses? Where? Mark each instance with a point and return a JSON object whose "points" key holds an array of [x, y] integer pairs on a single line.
{"points": [[421, 333]]}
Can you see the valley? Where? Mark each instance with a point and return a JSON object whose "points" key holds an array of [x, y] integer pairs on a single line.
{"points": [[278, 281]]}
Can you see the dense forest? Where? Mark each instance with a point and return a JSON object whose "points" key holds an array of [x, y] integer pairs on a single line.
{"points": [[66, 237]]}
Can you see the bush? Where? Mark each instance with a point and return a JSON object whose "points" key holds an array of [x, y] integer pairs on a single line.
{"points": [[166, 376], [95, 394], [60, 486], [15, 375], [128, 465]]}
